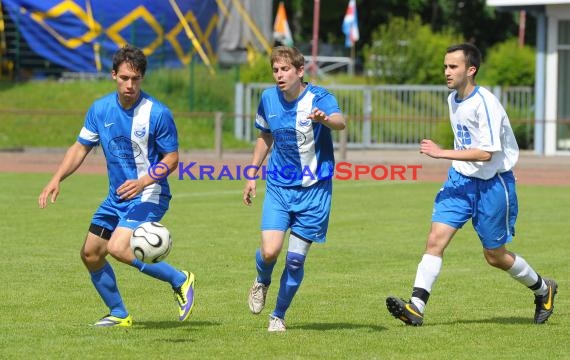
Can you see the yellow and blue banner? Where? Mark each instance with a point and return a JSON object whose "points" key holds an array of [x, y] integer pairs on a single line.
{"points": [[82, 35]]}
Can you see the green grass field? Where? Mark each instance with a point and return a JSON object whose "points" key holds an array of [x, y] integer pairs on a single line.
{"points": [[375, 241]]}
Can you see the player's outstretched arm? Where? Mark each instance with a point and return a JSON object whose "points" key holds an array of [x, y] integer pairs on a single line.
{"points": [[71, 161]]}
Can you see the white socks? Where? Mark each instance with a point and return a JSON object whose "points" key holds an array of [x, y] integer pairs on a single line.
{"points": [[426, 275], [523, 273]]}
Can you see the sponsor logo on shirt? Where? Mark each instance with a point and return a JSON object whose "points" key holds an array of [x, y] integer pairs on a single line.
{"points": [[288, 139], [124, 148], [464, 136]]}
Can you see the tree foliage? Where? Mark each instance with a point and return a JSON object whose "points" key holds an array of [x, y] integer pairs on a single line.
{"points": [[470, 19], [407, 52], [509, 64]]}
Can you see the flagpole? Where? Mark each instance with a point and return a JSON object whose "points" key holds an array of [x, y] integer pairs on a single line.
{"points": [[353, 54], [350, 29], [315, 51]]}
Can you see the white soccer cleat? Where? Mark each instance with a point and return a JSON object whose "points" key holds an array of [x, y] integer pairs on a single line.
{"points": [[276, 324], [257, 295]]}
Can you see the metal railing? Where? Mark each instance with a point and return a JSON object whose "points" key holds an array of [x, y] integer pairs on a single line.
{"points": [[389, 116]]}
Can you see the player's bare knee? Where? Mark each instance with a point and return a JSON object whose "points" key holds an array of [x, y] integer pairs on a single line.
{"points": [[496, 260], [269, 256], [83, 256], [434, 248], [90, 257], [491, 260], [499, 258], [117, 250]]}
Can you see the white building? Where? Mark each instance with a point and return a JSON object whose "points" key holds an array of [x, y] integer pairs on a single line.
{"points": [[552, 87]]}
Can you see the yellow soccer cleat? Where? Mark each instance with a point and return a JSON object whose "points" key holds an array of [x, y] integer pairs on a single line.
{"points": [[113, 321], [184, 296]]}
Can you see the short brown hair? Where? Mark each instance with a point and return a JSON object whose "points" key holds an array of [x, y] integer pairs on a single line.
{"points": [[471, 52], [291, 54], [132, 56]]}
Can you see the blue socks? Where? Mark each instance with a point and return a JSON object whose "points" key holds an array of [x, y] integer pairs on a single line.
{"points": [[106, 285], [264, 270], [161, 271], [290, 281]]}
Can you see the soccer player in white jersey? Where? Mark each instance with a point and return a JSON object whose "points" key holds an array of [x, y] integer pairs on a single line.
{"points": [[480, 187], [296, 119], [138, 135]]}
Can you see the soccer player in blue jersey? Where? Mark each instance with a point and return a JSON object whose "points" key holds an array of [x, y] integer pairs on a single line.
{"points": [[480, 186], [137, 134], [295, 119]]}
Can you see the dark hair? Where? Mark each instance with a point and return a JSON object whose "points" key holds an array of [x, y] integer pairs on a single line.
{"points": [[293, 55], [471, 52], [132, 56]]}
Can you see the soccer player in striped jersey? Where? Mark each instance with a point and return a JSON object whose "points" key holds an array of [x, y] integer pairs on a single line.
{"points": [[480, 187], [138, 136], [295, 120]]}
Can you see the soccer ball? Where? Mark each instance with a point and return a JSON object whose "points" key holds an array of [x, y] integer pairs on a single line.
{"points": [[151, 242]]}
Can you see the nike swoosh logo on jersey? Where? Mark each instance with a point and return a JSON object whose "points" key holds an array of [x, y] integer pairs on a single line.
{"points": [[272, 115], [108, 124]]}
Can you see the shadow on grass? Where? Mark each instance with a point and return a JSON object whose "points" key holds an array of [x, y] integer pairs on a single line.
{"points": [[337, 326], [494, 320], [175, 324]]}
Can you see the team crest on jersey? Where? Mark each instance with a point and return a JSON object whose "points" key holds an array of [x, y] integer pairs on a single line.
{"points": [[303, 118], [140, 132]]}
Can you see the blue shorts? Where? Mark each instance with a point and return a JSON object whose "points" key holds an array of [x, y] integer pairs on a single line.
{"points": [[130, 214], [491, 204], [305, 210]]}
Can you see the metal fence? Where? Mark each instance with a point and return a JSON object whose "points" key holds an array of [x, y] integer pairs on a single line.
{"points": [[392, 116]]}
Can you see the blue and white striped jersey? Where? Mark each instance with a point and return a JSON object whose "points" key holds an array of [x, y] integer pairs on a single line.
{"points": [[132, 140], [302, 151], [480, 122]]}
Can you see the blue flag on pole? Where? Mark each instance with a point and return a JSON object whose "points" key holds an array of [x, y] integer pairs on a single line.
{"points": [[350, 25]]}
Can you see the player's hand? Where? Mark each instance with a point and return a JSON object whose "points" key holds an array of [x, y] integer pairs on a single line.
{"points": [[51, 189], [130, 188], [430, 148], [318, 116], [249, 192]]}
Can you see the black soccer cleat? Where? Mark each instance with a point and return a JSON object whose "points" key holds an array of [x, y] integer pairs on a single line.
{"points": [[404, 311], [545, 303]]}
